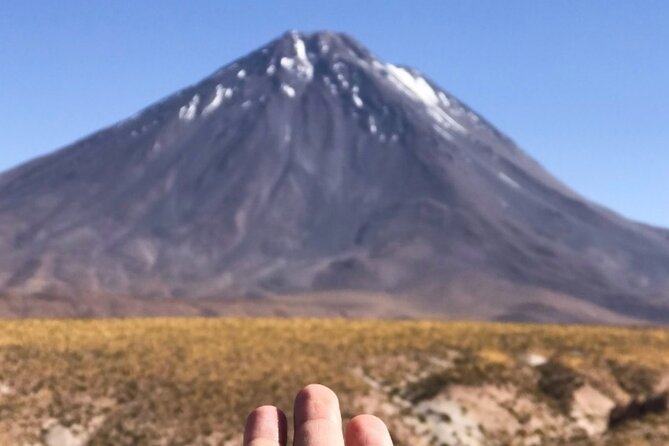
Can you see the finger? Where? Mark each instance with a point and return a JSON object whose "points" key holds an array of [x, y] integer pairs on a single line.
{"points": [[367, 430], [317, 417], [265, 426]]}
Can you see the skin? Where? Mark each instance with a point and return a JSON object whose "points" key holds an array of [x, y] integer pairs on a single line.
{"points": [[317, 423]]}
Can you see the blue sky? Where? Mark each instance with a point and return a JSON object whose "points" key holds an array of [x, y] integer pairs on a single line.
{"points": [[583, 86]]}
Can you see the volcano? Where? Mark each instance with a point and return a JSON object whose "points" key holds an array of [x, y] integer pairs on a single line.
{"points": [[312, 178]]}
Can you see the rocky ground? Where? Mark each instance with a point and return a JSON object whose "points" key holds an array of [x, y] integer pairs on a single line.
{"points": [[541, 402]]}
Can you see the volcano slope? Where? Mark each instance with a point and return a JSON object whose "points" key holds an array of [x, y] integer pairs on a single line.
{"points": [[310, 177]]}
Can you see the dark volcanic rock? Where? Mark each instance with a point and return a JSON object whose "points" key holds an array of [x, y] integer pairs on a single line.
{"points": [[310, 166]]}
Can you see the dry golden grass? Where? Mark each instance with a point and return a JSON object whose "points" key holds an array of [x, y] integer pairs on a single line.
{"points": [[189, 379]]}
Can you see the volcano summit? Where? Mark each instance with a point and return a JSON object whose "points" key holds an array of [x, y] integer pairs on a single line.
{"points": [[309, 177]]}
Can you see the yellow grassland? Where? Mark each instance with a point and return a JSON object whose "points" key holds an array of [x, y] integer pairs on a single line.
{"points": [[183, 379]]}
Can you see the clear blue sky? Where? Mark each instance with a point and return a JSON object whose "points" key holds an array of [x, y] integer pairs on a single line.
{"points": [[583, 86]]}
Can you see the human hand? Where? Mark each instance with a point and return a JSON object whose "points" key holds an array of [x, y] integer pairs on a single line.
{"points": [[317, 423]]}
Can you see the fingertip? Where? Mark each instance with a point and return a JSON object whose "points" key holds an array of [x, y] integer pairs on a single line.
{"points": [[265, 425], [316, 391], [316, 401], [317, 417], [367, 430]]}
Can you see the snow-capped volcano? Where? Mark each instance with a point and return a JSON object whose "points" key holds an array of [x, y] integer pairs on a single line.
{"points": [[309, 177]]}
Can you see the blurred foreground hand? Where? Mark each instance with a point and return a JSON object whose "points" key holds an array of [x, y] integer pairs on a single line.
{"points": [[317, 423]]}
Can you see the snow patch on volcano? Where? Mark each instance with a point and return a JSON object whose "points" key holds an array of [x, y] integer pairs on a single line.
{"points": [[188, 112], [508, 180], [299, 64], [288, 90], [420, 90], [414, 85], [221, 94], [357, 101]]}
